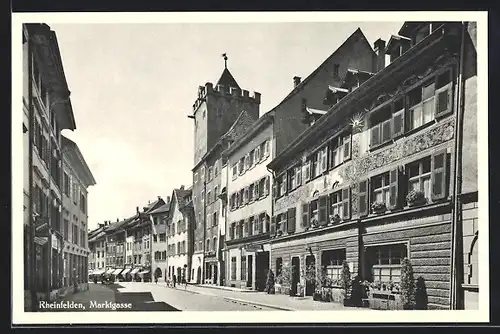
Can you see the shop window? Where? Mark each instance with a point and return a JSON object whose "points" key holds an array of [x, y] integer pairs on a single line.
{"points": [[385, 262], [331, 262]]}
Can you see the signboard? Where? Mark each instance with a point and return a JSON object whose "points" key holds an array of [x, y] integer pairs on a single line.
{"points": [[253, 248]]}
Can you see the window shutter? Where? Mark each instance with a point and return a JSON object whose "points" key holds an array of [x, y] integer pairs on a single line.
{"points": [[394, 189], [284, 183], [346, 203], [323, 210], [363, 198], [247, 162], [246, 226], [347, 148], [266, 147], [275, 190], [443, 99], [305, 215], [291, 220], [261, 224], [375, 135], [298, 175], [323, 159], [245, 195], [398, 122], [267, 185], [439, 175], [272, 231]]}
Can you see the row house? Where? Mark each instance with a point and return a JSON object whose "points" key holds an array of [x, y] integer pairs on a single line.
{"points": [[46, 111], [179, 235], [376, 176], [77, 177], [250, 206], [96, 243], [159, 244], [218, 115]]}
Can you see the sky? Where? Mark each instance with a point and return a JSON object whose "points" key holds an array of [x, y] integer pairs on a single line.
{"points": [[133, 86]]}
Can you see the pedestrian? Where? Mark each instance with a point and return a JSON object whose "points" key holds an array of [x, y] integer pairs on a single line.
{"points": [[156, 279], [185, 282], [174, 279]]}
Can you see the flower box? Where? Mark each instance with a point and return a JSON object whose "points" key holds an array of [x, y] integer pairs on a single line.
{"points": [[416, 198], [378, 207]]}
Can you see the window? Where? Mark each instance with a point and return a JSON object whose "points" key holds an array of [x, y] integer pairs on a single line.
{"points": [[262, 221], [251, 226], [207, 245], [264, 150], [209, 197], [281, 185], [421, 105], [385, 262], [246, 195], [243, 268], [241, 197], [209, 173], [252, 158], [279, 266], [247, 162], [82, 202], [184, 247], [235, 170], [240, 229], [294, 177], [340, 149], [241, 166], [162, 237], [380, 131], [232, 201], [291, 213], [66, 228], [262, 188], [215, 219], [216, 170], [314, 211], [336, 203], [216, 191], [336, 70], [419, 176], [331, 261], [251, 193], [380, 185], [281, 222], [66, 185], [233, 268]]}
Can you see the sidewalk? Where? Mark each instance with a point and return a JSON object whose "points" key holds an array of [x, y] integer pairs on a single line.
{"points": [[97, 293], [277, 301]]}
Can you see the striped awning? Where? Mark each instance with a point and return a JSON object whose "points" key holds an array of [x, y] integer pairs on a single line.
{"points": [[41, 240], [125, 271], [97, 272], [110, 270], [117, 271], [144, 272], [135, 270]]}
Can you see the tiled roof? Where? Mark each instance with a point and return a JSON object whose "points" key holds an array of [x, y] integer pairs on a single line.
{"points": [[180, 195], [240, 126], [164, 208]]}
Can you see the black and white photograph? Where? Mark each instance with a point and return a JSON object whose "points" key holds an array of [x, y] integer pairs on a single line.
{"points": [[234, 167]]}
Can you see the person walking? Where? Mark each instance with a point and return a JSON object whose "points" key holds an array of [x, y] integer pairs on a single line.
{"points": [[174, 279]]}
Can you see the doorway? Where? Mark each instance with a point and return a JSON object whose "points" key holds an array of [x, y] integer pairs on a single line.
{"points": [[198, 275], [262, 267], [311, 268], [216, 269], [295, 274], [249, 270]]}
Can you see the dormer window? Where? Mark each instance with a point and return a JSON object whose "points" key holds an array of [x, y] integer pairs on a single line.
{"points": [[422, 32], [336, 68]]}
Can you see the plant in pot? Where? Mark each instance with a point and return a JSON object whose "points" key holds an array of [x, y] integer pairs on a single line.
{"points": [[335, 219], [407, 285], [379, 207], [314, 222], [345, 282], [416, 198], [270, 282]]}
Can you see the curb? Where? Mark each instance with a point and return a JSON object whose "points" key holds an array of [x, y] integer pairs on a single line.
{"points": [[280, 308], [225, 288]]}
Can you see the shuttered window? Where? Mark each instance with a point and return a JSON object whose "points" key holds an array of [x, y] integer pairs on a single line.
{"points": [[323, 210], [305, 215], [346, 203], [394, 199], [363, 198]]}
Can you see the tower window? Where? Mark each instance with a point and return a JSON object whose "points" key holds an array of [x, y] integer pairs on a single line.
{"points": [[336, 70]]}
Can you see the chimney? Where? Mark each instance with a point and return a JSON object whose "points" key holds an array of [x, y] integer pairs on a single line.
{"points": [[182, 187], [379, 47], [137, 209], [117, 220], [296, 81], [159, 198]]}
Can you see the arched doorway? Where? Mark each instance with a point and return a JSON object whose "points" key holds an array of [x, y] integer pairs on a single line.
{"points": [[198, 275], [158, 272]]}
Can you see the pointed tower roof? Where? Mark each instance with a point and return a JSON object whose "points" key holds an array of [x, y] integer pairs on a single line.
{"points": [[227, 80]]}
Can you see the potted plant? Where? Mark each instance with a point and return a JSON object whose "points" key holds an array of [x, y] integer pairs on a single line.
{"points": [[318, 285], [270, 282], [335, 219], [279, 233], [416, 198], [379, 207], [345, 282], [314, 222], [407, 285]]}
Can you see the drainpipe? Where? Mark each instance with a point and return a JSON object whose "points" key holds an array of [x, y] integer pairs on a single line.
{"points": [[31, 119], [272, 214], [204, 227], [455, 302]]}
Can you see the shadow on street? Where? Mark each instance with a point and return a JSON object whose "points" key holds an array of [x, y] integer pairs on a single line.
{"points": [[141, 301]]}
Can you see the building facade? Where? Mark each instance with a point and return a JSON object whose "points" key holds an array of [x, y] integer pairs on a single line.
{"points": [[373, 180], [77, 177], [249, 206], [47, 111], [159, 245], [216, 111], [179, 236]]}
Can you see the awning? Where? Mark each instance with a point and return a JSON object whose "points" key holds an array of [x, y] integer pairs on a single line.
{"points": [[135, 270], [144, 272], [125, 271], [110, 270], [41, 240], [98, 272], [117, 271]]}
